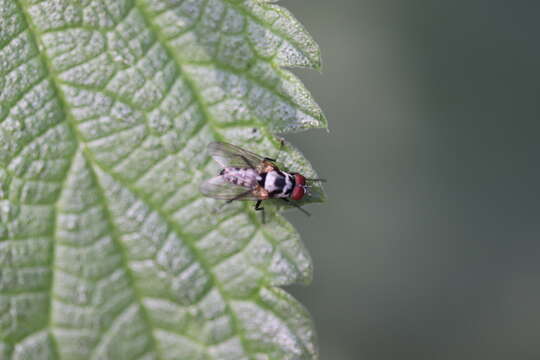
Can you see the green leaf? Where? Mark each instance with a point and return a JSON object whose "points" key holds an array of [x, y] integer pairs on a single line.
{"points": [[107, 249]]}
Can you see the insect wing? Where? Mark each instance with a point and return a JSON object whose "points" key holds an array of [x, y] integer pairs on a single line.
{"points": [[228, 155], [218, 188]]}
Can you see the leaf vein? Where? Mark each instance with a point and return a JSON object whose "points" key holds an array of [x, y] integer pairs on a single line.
{"points": [[124, 259]]}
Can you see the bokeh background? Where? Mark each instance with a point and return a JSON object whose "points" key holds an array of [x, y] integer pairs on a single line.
{"points": [[429, 245]]}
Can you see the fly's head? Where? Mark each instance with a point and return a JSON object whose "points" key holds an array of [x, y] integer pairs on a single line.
{"points": [[300, 187]]}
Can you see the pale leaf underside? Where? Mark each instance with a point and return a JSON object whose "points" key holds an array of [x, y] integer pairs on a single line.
{"points": [[107, 250]]}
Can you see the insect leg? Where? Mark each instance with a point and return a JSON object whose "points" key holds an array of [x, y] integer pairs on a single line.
{"points": [[296, 206], [259, 208], [258, 205]]}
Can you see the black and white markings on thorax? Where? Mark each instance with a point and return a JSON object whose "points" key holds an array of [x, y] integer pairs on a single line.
{"points": [[279, 184]]}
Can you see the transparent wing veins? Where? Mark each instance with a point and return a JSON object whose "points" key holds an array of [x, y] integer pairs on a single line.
{"points": [[228, 155], [218, 188]]}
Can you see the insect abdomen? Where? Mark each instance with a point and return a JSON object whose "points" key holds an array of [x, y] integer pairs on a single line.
{"points": [[241, 177]]}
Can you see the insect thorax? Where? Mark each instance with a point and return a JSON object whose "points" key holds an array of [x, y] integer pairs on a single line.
{"points": [[279, 184], [245, 177]]}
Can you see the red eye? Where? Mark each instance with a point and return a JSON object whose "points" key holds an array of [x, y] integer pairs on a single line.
{"points": [[298, 191]]}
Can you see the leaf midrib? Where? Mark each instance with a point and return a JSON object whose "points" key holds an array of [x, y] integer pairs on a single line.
{"points": [[67, 116], [72, 124]]}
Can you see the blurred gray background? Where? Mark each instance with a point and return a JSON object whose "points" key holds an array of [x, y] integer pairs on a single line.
{"points": [[429, 246]]}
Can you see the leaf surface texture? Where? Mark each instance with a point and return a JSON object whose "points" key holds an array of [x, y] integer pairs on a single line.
{"points": [[107, 249]]}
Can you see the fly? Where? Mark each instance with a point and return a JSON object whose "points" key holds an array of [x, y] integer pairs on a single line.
{"points": [[248, 176]]}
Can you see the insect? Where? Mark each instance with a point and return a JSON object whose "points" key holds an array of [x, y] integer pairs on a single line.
{"points": [[248, 176]]}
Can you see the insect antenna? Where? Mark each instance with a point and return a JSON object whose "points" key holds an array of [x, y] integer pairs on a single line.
{"points": [[320, 180]]}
